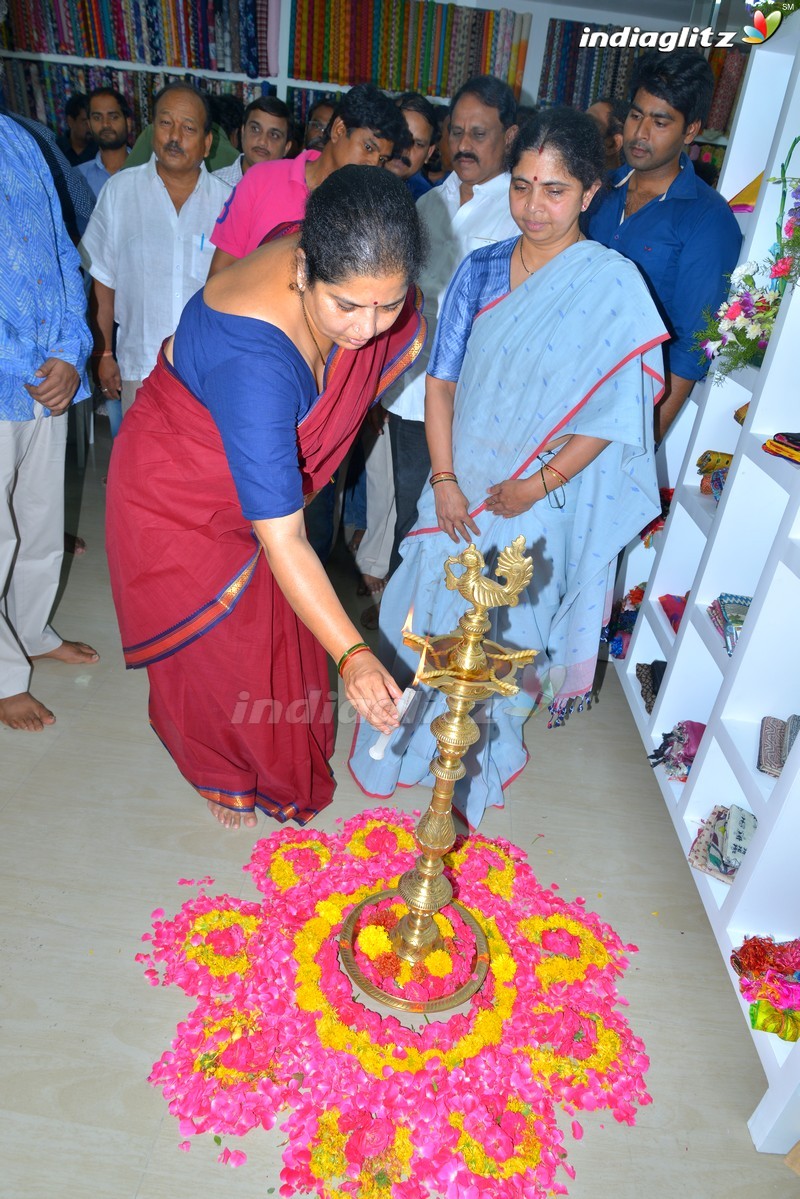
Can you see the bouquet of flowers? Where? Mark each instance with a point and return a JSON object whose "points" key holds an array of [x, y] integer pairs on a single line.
{"points": [[738, 333]]}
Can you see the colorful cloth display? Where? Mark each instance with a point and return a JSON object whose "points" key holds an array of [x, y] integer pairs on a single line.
{"points": [[649, 676], [722, 841], [623, 617], [403, 45], [727, 614], [769, 977], [674, 607], [784, 445], [677, 750]]}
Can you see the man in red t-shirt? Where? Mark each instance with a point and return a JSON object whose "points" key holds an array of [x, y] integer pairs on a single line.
{"points": [[365, 130]]}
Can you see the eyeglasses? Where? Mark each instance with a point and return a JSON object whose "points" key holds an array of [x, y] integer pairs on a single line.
{"points": [[318, 126]]}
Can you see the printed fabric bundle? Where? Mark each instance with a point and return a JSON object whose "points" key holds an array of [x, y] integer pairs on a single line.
{"points": [[713, 484], [674, 607], [713, 460], [784, 445], [775, 743], [769, 978], [678, 749], [649, 676], [721, 842], [727, 614], [623, 617]]}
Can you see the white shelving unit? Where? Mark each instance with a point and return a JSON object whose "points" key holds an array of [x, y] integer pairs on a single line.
{"points": [[748, 544]]}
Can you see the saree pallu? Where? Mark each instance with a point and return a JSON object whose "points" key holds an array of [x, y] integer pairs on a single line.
{"points": [[238, 685], [573, 350]]}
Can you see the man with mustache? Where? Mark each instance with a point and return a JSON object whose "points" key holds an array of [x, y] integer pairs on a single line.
{"points": [[657, 212], [266, 134], [470, 209], [111, 125], [147, 245]]}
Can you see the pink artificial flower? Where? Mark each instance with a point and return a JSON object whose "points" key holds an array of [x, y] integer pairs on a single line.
{"points": [[781, 268], [734, 310], [790, 226]]}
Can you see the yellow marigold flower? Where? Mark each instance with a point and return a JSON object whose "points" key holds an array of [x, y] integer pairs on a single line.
{"points": [[404, 974], [328, 911], [443, 924], [402, 1146], [439, 963], [373, 941], [503, 968]]}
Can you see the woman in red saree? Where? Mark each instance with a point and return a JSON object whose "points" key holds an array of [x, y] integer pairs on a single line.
{"points": [[252, 405]]}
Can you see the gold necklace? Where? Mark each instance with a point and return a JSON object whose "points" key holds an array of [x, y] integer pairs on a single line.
{"points": [[310, 330]]}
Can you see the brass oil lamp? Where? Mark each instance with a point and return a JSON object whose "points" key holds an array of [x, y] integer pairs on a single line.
{"points": [[467, 669]]}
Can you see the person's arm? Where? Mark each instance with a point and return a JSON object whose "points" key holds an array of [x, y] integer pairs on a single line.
{"points": [[220, 260], [447, 355], [301, 577], [514, 496], [452, 507], [101, 322], [676, 394]]}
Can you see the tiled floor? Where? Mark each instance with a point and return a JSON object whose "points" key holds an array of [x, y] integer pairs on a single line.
{"points": [[98, 826]]}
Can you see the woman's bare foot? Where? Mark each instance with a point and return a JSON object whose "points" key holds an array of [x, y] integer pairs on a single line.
{"points": [[24, 712], [229, 818], [75, 653]]}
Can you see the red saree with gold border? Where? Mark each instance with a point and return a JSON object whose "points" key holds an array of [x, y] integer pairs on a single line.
{"points": [[239, 690]]}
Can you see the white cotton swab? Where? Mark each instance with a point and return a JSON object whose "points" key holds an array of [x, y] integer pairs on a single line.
{"points": [[377, 750]]}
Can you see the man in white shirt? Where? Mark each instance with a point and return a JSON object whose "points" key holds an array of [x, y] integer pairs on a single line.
{"points": [[266, 134], [469, 209], [147, 244]]}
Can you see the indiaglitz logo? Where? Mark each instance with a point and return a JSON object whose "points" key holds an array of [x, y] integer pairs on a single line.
{"points": [[762, 28], [665, 40]]}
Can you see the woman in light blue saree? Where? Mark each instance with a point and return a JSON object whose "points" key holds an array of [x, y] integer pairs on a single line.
{"points": [[539, 417]]}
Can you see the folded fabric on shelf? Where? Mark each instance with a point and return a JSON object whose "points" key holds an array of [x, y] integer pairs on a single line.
{"points": [[770, 746], [705, 853], [649, 676], [789, 737], [740, 827], [678, 749], [712, 460], [674, 607], [781, 450], [718, 478]]}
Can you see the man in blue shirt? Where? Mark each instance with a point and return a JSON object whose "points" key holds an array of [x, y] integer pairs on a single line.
{"points": [[111, 126], [44, 342], [679, 232]]}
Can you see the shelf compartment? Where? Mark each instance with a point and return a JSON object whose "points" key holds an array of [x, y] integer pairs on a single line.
{"points": [[750, 515], [781, 470], [677, 564], [716, 429], [767, 678], [701, 508], [691, 684]]}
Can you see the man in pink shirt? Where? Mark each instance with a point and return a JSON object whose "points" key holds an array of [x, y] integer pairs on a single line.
{"points": [[365, 130]]}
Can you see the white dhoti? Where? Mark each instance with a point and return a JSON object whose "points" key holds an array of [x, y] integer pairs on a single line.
{"points": [[31, 542]]}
